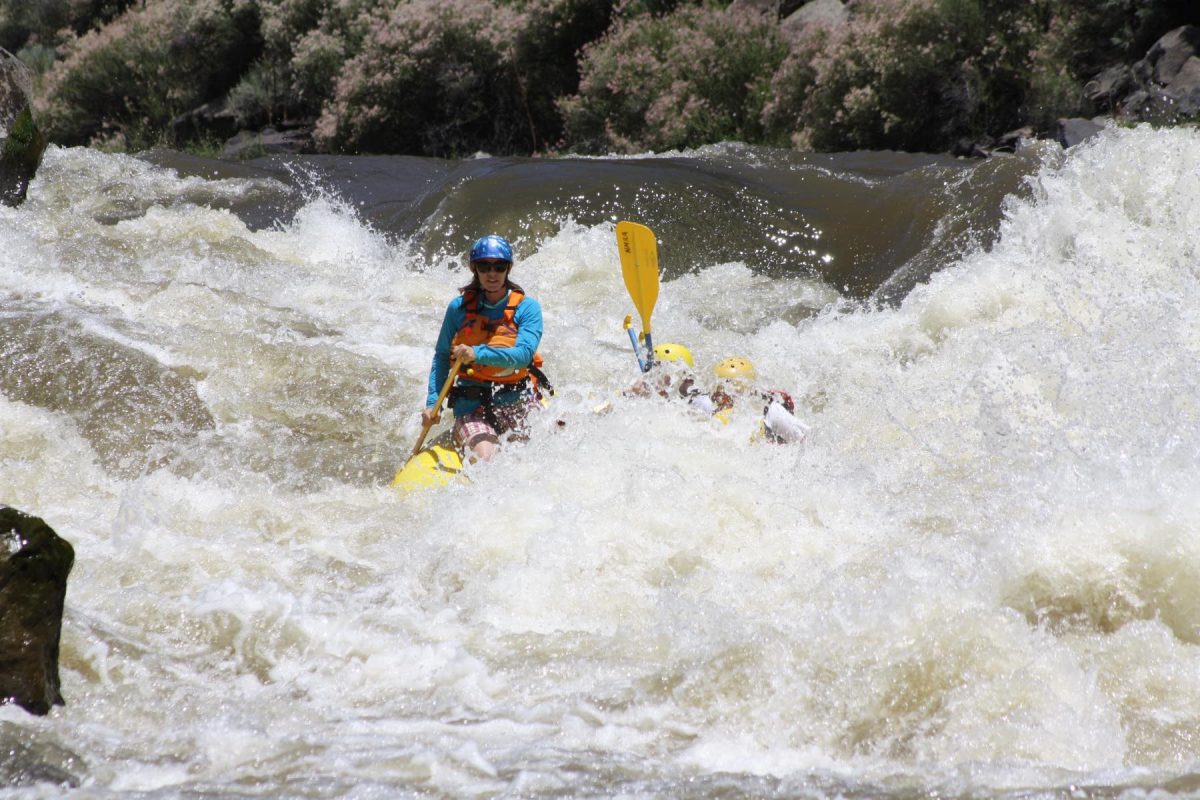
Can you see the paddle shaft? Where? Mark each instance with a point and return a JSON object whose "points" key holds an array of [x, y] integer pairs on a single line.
{"points": [[637, 350], [633, 340], [454, 368]]}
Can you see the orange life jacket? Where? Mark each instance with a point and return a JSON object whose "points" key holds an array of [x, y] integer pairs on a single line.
{"points": [[502, 332]]}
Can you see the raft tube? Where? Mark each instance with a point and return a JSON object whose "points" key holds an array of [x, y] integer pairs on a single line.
{"points": [[433, 466]]}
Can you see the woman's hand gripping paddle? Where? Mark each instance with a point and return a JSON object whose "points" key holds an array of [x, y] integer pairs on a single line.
{"points": [[639, 266], [454, 368], [435, 466]]}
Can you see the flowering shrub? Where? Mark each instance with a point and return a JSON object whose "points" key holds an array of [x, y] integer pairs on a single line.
{"points": [[920, 74], [283, 22], [909, 74], [316, 61], [450, 77], [431, 78], [696, 75], [262, 97], [305, 44], [130, 78]]}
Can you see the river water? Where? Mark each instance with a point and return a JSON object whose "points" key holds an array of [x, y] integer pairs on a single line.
{"points": [[979, 576]]}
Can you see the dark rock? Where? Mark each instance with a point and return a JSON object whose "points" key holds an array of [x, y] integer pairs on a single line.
{"points": [[1162, 87], [984, 146], [762, 7], [1072, 131], [1149, 105], [1167, 56], [268, 141], [1185, 87], [210, 121], [1010, 142], [1134, 104], [774, 8], [831, 13], [33, 586], [970, 148], [1167, 79], [21, 141], [1107, 88]]}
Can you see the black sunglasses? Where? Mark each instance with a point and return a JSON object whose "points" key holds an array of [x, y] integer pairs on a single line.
{"points": [[484, 267]]}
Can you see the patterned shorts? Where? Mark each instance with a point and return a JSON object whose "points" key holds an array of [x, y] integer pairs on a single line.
{"points": [[473, 428]]}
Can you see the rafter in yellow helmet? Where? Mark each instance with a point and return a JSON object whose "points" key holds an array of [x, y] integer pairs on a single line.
{"points": [[735, 368], [673, 351]]}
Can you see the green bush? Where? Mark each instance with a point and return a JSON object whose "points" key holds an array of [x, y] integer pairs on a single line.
{"points": [[25, 22], [22, 19], [284, 22], [305, 44], [38, 57], [545, 62], [913, 75], [1081, 38], [129, 79], [697, 75], [262, 96]]}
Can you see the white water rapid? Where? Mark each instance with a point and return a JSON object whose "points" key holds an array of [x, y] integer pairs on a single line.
{"points": [[979, 576]]}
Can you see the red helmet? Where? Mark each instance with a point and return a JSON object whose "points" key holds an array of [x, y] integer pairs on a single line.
{"points": [[783, 398]]}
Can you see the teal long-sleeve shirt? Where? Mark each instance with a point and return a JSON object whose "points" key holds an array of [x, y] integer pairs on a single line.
{"points": [[528, 318]]}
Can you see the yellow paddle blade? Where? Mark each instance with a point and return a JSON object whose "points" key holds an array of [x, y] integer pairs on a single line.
{"points": [[639, 266]]}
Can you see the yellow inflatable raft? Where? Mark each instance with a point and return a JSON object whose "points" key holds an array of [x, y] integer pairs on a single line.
{"points": [[434, 465]]}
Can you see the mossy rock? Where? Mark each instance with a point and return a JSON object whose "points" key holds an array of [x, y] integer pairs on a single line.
{"points": [[21, 141], [21, 158], [34, 564]]}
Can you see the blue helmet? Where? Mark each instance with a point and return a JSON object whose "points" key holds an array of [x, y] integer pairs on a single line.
{"points": [[492, 246]]}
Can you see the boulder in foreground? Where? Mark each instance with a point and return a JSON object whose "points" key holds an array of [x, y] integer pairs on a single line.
{"points": [[21, 142], [34, 564]]}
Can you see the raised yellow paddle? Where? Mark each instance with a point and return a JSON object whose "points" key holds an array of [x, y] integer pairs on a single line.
{"points": [[639, 266]]}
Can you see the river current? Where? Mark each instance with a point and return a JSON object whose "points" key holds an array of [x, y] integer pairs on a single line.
{"points": [[978, 576]]}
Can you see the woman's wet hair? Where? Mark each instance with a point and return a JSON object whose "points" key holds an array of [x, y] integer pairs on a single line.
{"points": [[475, 285]]}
